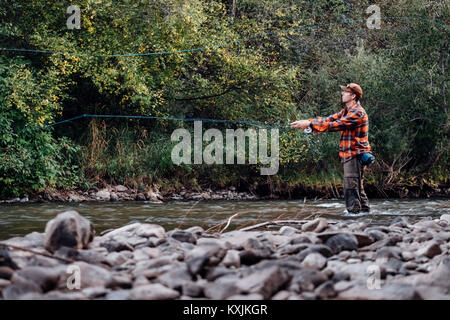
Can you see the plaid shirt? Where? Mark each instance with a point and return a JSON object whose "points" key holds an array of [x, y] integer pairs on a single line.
{"points": [[353, 123]]}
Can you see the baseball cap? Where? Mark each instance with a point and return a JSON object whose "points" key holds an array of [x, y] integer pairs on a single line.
{"points": [[354, 88]]}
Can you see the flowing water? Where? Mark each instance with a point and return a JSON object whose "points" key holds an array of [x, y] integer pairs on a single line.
{"points": [[21, 219]]}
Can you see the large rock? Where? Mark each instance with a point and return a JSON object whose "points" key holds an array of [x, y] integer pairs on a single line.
{"points": [[68, 229], [5, 258], [342, 241], [46, 278]]}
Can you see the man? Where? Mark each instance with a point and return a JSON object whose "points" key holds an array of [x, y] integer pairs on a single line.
{"points": [[353, 123]]}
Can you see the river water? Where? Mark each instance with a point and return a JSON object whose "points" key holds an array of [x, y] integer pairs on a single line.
{"points": [[21, 219]]}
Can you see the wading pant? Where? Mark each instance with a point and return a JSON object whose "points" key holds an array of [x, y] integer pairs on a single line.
{"points": [[355, 198]]}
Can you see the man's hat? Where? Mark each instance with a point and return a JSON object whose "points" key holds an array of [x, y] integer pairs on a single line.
{"points": [[353, 88]]}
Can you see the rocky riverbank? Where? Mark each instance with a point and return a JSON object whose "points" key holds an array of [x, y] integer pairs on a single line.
{"points": [[153, 194], [307, 259], [123, 193]]}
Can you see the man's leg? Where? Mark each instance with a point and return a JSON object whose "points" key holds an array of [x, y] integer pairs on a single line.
{"points": [[365, 206], [352, 185]]}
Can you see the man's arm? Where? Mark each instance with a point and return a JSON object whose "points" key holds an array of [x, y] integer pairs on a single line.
{"points": [[321, 125], [352, 119]]}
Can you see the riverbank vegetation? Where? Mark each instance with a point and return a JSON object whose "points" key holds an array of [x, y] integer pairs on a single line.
{"points": [[266, 61]]}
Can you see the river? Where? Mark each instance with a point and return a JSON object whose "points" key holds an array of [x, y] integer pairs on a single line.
{"points": [[21, 219]]}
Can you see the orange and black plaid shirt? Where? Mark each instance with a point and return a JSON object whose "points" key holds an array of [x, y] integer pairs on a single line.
{"points": [[353, 123]]}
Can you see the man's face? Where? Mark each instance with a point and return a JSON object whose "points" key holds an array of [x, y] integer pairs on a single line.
{"points": [[347, 96]]}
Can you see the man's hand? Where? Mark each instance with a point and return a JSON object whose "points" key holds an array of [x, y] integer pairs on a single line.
{"points": [[301, 124]]}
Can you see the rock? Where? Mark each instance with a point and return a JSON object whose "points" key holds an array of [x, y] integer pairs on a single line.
{"points": [[408, 255], [445, 217], [292, 249], [221, 291], [140, 281], [342, 241], [326, 290], [146, 253], [183, 236], [102, 195], [205, 196], [265, 282], [317, 225], [308, 279], [68, 229], [300, 239], [154, 291], [175, 278], [314, 261], [46, 278], [196, 231], [436, 278], [118, 295], [386, 292], [362, 238], [140, 197], [238, 238], [145, 230], [376, 235], [193, 289], [287, 231], [281, 295], [212, 250], [196, 265], [311, 225], [16, 290], [115, 259], [319, 248], [6, 273], [5, 258], [400, 222], [95, 293], [3, 284], [342, 285], [232, 259], [120, 188], [429, 250], [114, 197], [217, 272], [389, 252], [116, 246]]}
